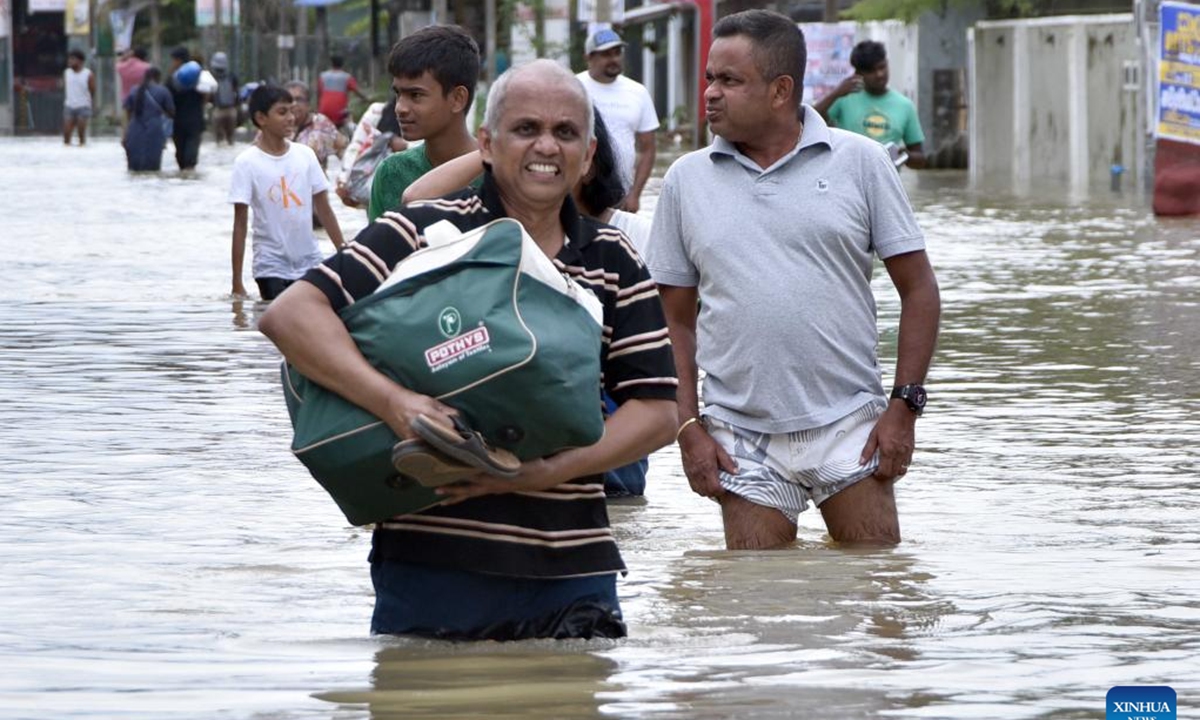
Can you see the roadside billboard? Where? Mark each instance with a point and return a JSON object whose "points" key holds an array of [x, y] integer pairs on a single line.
{"points": [[1179, 73]]}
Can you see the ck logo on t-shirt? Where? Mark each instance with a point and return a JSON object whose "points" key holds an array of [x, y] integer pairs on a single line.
{"points": [[284, 195]]}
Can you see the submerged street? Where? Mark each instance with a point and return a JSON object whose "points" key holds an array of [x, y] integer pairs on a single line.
{"points": [[167, 556]]}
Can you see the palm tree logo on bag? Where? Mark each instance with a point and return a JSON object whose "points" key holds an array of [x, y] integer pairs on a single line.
{"points": [[450, 322]]}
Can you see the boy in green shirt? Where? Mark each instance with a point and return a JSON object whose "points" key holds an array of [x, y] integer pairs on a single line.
{"points": [[864, 104], [434, 72]]}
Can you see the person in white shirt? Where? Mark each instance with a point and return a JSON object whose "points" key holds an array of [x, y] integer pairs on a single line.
{"points": [[79, 85], [284, 184], [627, 109]]}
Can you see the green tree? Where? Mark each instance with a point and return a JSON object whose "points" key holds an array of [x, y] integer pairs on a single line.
{"points": [[910, 10]]}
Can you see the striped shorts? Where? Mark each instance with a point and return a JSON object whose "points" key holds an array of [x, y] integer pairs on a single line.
{"points": [[788, 470]]}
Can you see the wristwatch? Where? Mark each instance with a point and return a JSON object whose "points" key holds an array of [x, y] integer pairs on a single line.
{"points": [[913, 396]]}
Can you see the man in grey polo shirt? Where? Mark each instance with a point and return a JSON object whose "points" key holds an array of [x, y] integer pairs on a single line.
{"points": [[774, 229]]}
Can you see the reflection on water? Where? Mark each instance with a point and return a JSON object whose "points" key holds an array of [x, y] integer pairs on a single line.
{"points": [[165, 555], [414, 679]]}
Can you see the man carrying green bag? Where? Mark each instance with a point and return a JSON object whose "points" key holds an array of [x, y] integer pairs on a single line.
{"points": [[533, 555], [482, 320]]}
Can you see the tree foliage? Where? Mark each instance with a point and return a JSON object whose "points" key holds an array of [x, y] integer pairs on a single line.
{"points": [[177, 18], [910, 10]]}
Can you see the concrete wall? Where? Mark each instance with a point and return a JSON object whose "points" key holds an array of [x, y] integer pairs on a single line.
{"points": [[1049, 102], [942, 84], [7, 98]]}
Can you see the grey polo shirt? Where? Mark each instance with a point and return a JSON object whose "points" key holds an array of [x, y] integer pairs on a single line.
{"points": [[782, 258]]}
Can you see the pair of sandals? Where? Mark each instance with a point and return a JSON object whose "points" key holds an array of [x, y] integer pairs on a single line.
{"points": [[443, 454]]}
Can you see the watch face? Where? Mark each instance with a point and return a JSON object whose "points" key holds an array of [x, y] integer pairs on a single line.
{"points": [[918, 397]]}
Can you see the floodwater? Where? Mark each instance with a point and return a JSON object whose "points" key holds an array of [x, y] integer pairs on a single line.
{"points": [[164, 556]]}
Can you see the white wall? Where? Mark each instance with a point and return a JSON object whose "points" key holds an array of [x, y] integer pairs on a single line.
{"points": [[1049, 106]]}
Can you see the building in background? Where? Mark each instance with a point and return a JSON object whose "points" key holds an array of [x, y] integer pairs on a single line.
{"points": [[33, 52], [966, 111]]}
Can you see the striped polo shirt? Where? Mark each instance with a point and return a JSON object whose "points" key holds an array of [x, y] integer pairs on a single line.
{"points": [[554, 533]]}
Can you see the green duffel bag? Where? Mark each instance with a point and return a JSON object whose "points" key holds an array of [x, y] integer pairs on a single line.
{"points": [[482, 321]]}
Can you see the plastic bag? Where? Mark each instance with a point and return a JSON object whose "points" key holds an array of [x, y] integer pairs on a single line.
{"points": [[358, 183]]}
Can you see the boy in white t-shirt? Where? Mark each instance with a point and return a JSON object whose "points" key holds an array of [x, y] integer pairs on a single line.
{"points": [[79, 86], [278, 179]]}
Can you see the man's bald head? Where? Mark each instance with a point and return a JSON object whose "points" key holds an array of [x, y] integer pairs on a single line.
{"points": [[539, 73]]}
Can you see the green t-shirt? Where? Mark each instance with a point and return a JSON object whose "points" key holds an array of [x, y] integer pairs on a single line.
{"points": [[885, 118], [392, 178]]}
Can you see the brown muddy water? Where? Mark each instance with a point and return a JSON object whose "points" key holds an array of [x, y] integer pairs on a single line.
{"points": [[164, 555]]}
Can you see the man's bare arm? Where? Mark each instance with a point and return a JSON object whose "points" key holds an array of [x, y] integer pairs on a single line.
{"points": [[916, 156], [304, 327], [643, 166], [328, 219], [702, 457], [445, 178], [920, 313], [681, 304], [894, 435], [854, 83]]}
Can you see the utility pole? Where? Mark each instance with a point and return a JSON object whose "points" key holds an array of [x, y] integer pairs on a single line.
{"points": [[831, 11], [322, 35], [539, 27], [218, 27], [300, 64], [491, 28], [281, 69], [374, 42], [155, 34]]}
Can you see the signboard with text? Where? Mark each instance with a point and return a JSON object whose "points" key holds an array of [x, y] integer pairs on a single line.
{"points": [[829, 46], [37, 6], [122, 22], [77, 18], [206, 12], [1179, 73]]}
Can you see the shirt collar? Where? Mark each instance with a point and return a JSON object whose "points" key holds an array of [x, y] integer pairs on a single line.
{"points": [[814, 132], [568, 215]]}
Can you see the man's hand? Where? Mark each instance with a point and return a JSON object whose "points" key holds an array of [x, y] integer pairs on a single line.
{"points": [[703, 458], [239, 291], [894, 438], [405, 405], [852, 84], [631, 203], [534, 475], [344, 193]]}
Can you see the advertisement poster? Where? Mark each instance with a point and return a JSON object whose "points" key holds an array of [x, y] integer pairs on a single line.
{"points": [[1179, 73], [206, 12], [122, 22], [37, 6], [829, 46], [75, 18]]}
